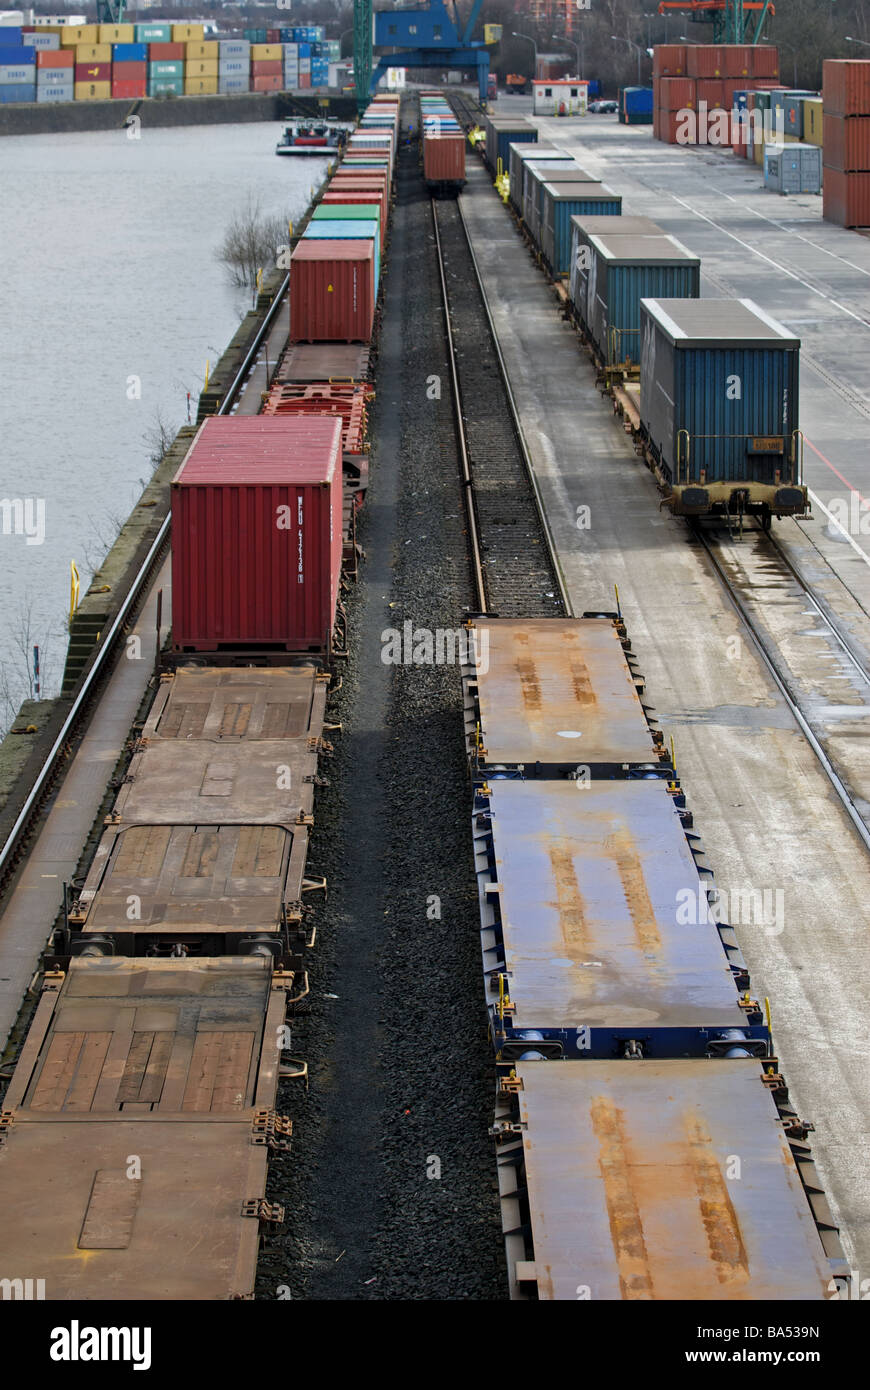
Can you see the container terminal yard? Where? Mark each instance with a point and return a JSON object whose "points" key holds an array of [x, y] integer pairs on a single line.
{"points": [[462, 896]]}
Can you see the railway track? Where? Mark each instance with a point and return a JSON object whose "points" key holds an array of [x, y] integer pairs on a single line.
{"points": [[771, 654], [85, 701], [515, 565]]}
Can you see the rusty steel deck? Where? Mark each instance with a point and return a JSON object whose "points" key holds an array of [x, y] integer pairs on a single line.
{"points": [[555, 696], [137, 1126], [593, 907], [656, 1180]]}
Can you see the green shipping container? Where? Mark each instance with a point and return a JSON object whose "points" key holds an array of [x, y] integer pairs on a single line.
{"points": [[167, 69], [159, 86], [154, 33]]}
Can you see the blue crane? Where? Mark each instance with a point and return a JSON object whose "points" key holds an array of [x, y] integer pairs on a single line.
{"points": [[427, 38]]}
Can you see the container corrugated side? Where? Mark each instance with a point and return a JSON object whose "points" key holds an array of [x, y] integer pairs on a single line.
{"points": [[444, 159], [691, 389], [846, 198], [557, 232], [257, 534], [662, 269], [846, 86], [846, 143]]}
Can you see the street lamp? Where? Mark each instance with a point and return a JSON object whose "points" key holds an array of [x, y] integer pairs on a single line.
{"points": [[342, 36], [534, 46], [577, 49], [641, 52], [793, 51], [862, 42]]}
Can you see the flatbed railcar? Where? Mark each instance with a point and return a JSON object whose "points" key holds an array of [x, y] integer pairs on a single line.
{"points": [[633, 1062]]}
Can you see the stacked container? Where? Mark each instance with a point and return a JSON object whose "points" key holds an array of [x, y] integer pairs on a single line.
{"points": [[304, 63], [17, 67], [267, 67], [129, 70], [153, 33], [349, 207], [234, 65], [55, 77], [291, 63], [846, 103], [705, 79], [166, 70]]}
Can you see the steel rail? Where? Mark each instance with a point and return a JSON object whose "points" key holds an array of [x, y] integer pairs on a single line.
{"points": [[138, 589], [782, 684]]}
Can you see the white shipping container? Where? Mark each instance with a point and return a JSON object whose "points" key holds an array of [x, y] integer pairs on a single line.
{"points": [[56, 93]]}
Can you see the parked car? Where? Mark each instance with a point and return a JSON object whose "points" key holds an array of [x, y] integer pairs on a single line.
{"points": [[603, 107]]}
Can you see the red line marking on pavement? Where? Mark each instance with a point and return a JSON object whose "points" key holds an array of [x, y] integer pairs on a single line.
{"points": [[849, 485]]}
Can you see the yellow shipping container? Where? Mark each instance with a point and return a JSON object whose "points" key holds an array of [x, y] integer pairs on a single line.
{"points": [[791, 139], [117, 33], [188, 33], [200, 86], [812, 121], [206, 67], [74, 34], [263, 52], [93, 53], [202, 50], [93, 91], [758, 152]]}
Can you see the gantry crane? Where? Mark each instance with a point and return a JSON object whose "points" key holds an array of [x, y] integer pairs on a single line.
{"points": [[732, 20], [427, 38]]}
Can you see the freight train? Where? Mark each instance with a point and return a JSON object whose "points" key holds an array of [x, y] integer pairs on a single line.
{"points": [[137, 1126], [708, 388]]}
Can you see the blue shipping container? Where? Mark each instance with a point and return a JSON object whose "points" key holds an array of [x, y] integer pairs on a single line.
{"points": [[59, 92], [234, 82], [12, 76], [558, 207], [17, 91], [719, 395], [129, 53], [348, 229], [17, 56], [12, 34], [623, 271]]}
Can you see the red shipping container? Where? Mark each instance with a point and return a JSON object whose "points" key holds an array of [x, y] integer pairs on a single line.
{"points": [[444, 158], [846, 198], [268, 84], [669, 60], [710, 91], [257, 535], [846, 142], [273, 36], [365, 195], [846, 87], [765, 62], [128, 90], [668, 125], [129, 72], [93, 72], [676, 92], [705, 60], [266, 67], [739, 60], [55, 58], [166, 52], [304, 79], [332, 291]]}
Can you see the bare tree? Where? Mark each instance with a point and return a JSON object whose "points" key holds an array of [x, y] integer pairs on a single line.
{"points": [[251, 243]]}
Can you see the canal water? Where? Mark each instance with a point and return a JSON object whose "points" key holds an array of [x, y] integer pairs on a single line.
{"points": [[112, 300]]}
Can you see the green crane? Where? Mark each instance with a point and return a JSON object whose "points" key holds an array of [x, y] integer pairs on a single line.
{"points": [[362, 51]]}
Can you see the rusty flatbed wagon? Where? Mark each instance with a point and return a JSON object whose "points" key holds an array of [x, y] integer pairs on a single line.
{"points": [[658, 1180], [137, 1127], [546, 698]]}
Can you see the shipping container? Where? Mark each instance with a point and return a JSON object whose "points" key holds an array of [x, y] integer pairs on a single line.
{"points": [[116, 33], [234, 48], [765, 62], [813, 123], [175, 69], [188, 33], [14, 76], [444, 159], [233, 67], [74, 34], [348, 229], [234, 82], [675, 93], [201, 67], [793, 168], [706, 60], [636, 105], [153, 33], [266, 67], [41, 41], [525, 159], [264, 52], [273, 83], [847, 143], [165, 86], [200, 86], [739, 60], [846, 87], [93, 53], [13, 93], [166, 52], [358, 207], [129, 72], [257, 535], [710, 90], [201, 48], [623, 271], [582, 230], [130, 53], [332, 296], [669, 60], [846, 198], [93, 91], [93, 72], [711, 440], [61, 58], [128, 89], [54, 77], [792, 106], [561, 202], [17, 56], [56, 92]]}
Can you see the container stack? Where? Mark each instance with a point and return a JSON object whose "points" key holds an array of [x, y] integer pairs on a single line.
{"points": [[55, 77], [443, 145], [234, 65], [17, 66], [705, 78], [846, 107], [291, 62], [129, 70], [267, 67]]}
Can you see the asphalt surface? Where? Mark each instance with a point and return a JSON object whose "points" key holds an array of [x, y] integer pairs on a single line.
{"points": [[767, 813]]}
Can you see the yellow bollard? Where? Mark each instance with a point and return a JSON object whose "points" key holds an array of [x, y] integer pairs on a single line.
{"points": [[73, 589]]}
